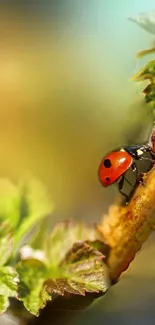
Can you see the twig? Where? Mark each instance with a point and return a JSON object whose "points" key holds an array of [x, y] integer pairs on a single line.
{"points": [[126, 228]]}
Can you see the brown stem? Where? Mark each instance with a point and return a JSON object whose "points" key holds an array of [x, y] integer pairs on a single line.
{"points": [[126, 228]]}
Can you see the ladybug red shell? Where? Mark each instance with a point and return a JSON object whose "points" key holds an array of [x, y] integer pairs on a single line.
{"points": [[116, 164], [113, 166]]}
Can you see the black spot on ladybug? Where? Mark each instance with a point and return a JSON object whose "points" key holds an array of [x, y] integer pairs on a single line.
{"points": [[107, 163], [107, 179]]}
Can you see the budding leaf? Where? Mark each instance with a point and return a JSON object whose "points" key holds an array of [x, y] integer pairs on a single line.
{"points": [[69, 263], [82, 270], [65, 235]]}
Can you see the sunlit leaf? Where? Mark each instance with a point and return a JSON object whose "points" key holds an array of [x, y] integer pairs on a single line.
{"points": [[69, 264], [82, 271], [64, 236]]}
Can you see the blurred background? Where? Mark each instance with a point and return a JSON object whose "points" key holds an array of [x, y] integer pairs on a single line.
{"points": [[66, 100]]}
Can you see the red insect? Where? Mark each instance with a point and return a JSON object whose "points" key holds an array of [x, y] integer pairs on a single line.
{"points": [[114, 166]]}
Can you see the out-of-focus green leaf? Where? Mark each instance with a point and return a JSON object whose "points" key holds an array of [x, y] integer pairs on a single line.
{"points": [[41, 234], [4, 304], [24, 205], [32, 292], [32, 274], [8, 286], [6, 242], [65, 235], [9, 202], [35, 205], [148, 72], [145, 20], [149, 92]]}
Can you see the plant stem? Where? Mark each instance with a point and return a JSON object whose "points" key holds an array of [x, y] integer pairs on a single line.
{"points": [[126, 228]]}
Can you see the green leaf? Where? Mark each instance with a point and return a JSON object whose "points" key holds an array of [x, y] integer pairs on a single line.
{"points": [[35, 205], [9, 202], [64, 236], [67, 264], [32, 292], [6, 242], [41, 234], [148, 72], [4, 304], [8, 281], [149, 92], [8, 286], [82, 271]]}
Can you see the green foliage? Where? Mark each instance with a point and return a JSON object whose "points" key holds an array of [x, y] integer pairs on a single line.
{"points": [[148, 73], [34, 206], [8, 286], [64, 236], [35, 266], [147, 22], [82, 271], [6, 242], [68, 264], [31, 290], [8, 275]]}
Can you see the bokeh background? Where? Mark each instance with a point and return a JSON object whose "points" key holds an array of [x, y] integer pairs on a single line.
{"points": [[66, 99]]}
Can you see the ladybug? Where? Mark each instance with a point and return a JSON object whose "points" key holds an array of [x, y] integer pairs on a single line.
{"points": [[115, 165]]}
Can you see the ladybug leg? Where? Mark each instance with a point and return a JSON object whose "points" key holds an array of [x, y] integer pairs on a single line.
{"points": [[120, 186], [138, 179], [135, 170], [151, 151], [128, 181], [149, 159]]}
